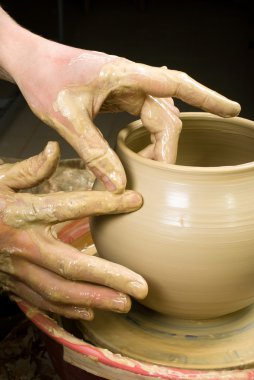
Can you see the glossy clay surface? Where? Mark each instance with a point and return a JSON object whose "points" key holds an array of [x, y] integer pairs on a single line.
{"points": [[193, 239], [220, 343]]}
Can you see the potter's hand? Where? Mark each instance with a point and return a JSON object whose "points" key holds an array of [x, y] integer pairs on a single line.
{"points": [[41, 269], [67, 87]]}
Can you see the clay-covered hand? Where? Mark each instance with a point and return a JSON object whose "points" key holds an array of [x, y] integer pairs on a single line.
{"points": [[67, 87], [41, 269]]}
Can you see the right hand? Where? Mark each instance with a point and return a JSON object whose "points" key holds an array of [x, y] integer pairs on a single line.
{"points": [[41, 269], [67, 87]]}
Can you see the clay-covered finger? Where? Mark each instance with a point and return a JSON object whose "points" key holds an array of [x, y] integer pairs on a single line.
{"points": [[69, 263], [56, 289], [32, 171], [62, 206], [109, 170], [147, 152], [161, 118], [163, 83], [88, 141], [198, 95], [35, 299]]}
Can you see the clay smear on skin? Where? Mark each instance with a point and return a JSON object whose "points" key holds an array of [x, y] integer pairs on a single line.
{"points": [[104, 162], [73, 104]]}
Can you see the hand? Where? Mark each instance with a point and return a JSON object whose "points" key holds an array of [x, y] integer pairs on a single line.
{"points": [[41, 269], [67, 87]]}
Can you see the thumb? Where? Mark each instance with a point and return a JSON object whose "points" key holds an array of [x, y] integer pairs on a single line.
{"points": [[31, 172]]}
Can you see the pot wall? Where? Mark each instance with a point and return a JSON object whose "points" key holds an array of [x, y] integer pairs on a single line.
{"points": [[193, 239]]}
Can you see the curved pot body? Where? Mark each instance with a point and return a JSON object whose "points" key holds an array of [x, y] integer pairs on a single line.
{"points": [[193, 239]]}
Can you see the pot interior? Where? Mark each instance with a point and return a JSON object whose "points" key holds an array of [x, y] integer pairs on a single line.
{"points": [[206, 143]]}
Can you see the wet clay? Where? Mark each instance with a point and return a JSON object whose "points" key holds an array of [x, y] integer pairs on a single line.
{"points": [[193, 239], [223, 343], [34, 263], [117, 85], [160, 117], [104, 363]]}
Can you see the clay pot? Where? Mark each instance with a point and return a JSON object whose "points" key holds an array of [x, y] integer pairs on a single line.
{"points": [[193, 239]]}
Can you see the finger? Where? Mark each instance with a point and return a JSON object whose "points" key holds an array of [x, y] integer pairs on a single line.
{"points": [[160, 82], [87, 140], [147, 152], [56, 289], [37, 300], [195, 94], [69, 263], [32, 171], [109, 170], [62, 206], [161, 119], [170, 103]]}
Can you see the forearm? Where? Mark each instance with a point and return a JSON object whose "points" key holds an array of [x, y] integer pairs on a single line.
{"points": [[15, 43], [8, 29]]}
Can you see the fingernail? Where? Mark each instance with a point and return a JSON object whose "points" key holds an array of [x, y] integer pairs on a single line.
{"points": [[138, 289], [132, 200], [233, 109], [121, 304], [237, 108], [115, 183], [88, 315], [51, 147]]}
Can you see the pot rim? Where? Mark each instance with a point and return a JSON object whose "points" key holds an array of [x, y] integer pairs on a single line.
{"points": [[125, 132]]}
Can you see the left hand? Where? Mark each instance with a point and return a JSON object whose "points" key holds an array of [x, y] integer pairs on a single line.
{"points": [[36, 266]]}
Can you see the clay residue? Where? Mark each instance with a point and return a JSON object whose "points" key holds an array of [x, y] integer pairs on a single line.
{"points": [[221, 343], [161, 118], [70, 175], [94, 82]]}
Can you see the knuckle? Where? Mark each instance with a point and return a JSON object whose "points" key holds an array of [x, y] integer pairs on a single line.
{"points": [[178, 125], [67, 269], [51, 294], [183, 76], [31, 167], [19, 210]]}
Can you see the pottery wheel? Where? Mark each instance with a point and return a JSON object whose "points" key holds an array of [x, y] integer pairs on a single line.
{"points": [[142, 334]]}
